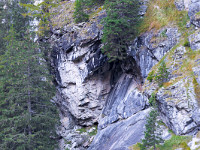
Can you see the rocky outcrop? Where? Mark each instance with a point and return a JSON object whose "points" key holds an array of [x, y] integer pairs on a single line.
{"points": [[180, 4], [148, 49], [194, 40], [114, 96], [122, 134], [83, 78], [178, 106], [194, 8], [179, 98], [93, 91]]}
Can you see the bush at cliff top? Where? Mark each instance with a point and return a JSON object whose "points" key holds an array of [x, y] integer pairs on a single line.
{"points": [[79, 14], [119, 27]]}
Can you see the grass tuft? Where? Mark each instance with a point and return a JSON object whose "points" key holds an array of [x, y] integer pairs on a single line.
{"points": [[161, 13], [175, 142]]}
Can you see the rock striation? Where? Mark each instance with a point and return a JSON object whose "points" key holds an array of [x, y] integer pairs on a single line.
{"points": [[111, 99]]}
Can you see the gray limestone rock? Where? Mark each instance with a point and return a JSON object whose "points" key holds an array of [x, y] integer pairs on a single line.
{"points": [[194, 8], [149, 48], [179, 4], [123, 101], [177, 105], [194, 40], [178, 100], [93, 91], [122, 134]]}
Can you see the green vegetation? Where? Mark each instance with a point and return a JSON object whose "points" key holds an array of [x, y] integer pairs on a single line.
{"points": [[27, 117], [175, 142], [152, 133], [94, 132], [68, 142], [152, 100], [161, 13], [120, 27], [162, 74], [163, 34], [42, 12], [83, 9], [82, 130], [196, 89], [11, 12], [89, 3], [152, 138], [186, 43], [85, 130], [79, 14], [151, 76]]}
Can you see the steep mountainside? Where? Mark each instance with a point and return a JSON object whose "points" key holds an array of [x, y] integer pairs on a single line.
{"points": [[103, 106]]}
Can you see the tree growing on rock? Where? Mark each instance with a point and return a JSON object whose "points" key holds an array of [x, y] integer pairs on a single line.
{"points": [[120, 27], [162, 74], [152, 133], [79, 14]]}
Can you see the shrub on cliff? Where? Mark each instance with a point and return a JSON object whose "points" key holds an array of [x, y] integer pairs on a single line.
{"points": [[152, 134], [120, 26], [162, 75], [79, 14]]}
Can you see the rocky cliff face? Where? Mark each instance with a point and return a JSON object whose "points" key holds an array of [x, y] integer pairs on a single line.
{"points": [[111, 99]]}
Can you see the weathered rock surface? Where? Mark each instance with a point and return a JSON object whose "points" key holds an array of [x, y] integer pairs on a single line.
{"points": [[179, 99], [83, 78], [149, 48], [122, 134], [92, 91], [180, 4], [178, 106], [124, 100], [194, 40], [75, 90], [194, 8]]}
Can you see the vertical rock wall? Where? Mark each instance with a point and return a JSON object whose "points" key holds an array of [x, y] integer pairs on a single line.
{"points": [[114, 96]]}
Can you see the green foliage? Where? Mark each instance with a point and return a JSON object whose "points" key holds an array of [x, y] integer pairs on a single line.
{"points": [[151, 76], [82, 9], [79, 14], [89, 3], [152, 100], [42, 12], [120, 26], [152, 133], [186, 43], [82, 130], [162, 74], [175, 142], [196, 89], [152, 137], [182, 21], [10, 12], [94, 132], [28, 118], [163, 34]]}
